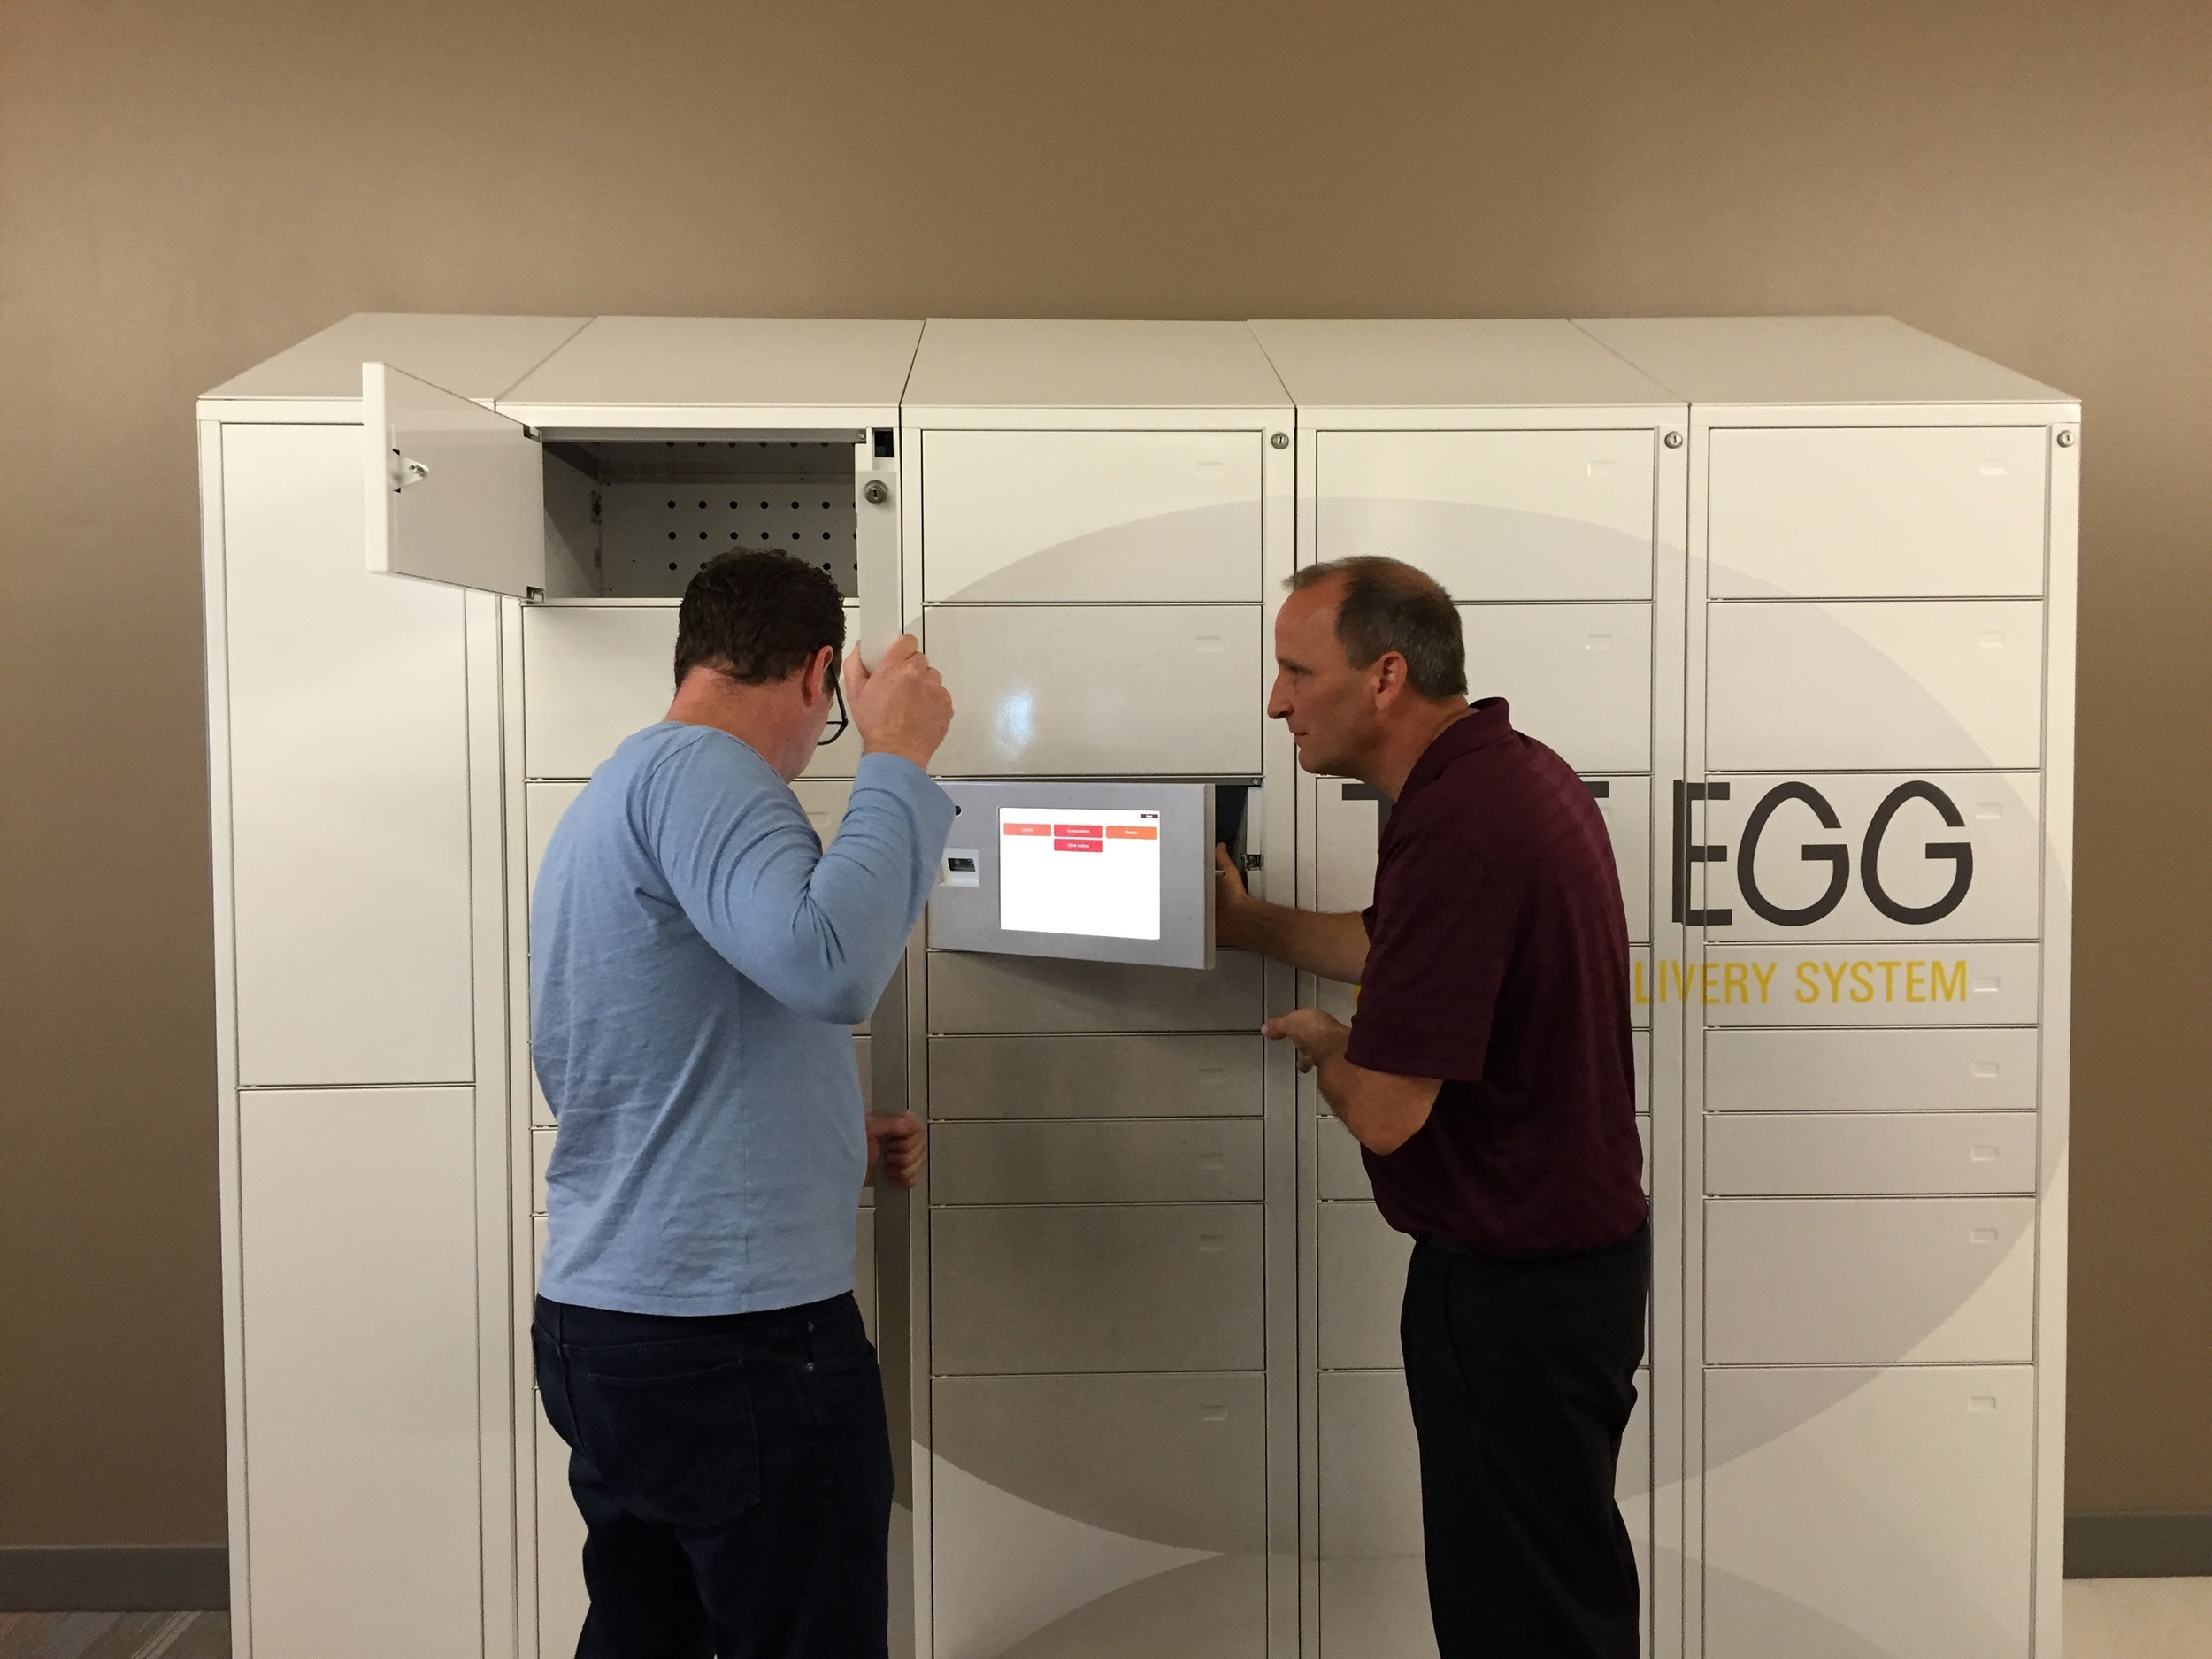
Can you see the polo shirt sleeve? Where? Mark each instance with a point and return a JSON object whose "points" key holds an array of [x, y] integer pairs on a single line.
{"points": [[1440, 936]]}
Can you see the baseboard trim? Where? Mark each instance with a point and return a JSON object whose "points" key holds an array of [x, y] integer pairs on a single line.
{"points": [[97, 1579], [2140, 1544]]}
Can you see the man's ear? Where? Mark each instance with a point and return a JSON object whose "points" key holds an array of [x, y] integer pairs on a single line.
{"points": [[1390, 678], [814, 683]]}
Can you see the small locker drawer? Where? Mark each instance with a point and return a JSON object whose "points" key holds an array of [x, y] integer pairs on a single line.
{"points": [[1869, 1512], [1885, 984], [1137, 1075], [1076, 517], [1347, 826], [1176, 1458], [1129, 1160], [972, 991], [1578, 677], [1881, 856], [593, 673], [1928, 1071], [1494, 515], [1897, 511], [1792, 1154], [1877, 1281], [1083, 690], [1096, 1287], [542, 805], [1361, 1283], [1950, 684]]}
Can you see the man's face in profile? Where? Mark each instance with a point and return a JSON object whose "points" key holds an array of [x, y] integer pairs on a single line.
{"points": [[1327, 704]]}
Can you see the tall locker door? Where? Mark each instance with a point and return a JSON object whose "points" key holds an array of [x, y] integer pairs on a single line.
{"points": [[349, 781], [364, 1526]]}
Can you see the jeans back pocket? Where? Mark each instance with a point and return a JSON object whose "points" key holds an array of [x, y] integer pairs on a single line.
{"points": [[682, 1446]]}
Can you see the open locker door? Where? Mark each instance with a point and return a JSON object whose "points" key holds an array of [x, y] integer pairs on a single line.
{"points": [[455, 493]]}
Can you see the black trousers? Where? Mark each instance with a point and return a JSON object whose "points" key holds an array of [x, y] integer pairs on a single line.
{"points": [[1522, 1376], [734, 1477]]}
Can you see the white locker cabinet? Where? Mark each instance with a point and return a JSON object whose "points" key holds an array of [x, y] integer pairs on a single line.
{"points": [[1855, 1514], [1362, 1282], [1880, 1071], [1791, 1154], [1494, 515], [979, 994], [1343, 1174], [1079, 1287], [1068, 517], [562, 1599], [1877, 512], [359, 1370], [1886, 983], [1058, 691], [1843, 1281], [348, 781], [1875, 856], [1135, 1074], [1872, 684]]}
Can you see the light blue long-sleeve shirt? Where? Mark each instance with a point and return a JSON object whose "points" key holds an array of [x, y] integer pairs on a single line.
{"points": [[696, 959]]}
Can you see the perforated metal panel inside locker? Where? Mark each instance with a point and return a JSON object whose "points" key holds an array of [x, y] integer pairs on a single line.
{"points": [[667, 507]]}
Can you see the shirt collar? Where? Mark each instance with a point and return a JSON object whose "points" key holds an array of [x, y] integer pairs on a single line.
{"points": [[1484, 723]]}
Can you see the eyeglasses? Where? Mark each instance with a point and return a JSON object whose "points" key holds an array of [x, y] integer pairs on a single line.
{"points": [[835, 729]]}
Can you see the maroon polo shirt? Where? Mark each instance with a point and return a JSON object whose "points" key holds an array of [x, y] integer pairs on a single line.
{"points": [[1497, 960]]}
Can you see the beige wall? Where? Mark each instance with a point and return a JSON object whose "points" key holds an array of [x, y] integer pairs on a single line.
{"points": [[185, 189]]}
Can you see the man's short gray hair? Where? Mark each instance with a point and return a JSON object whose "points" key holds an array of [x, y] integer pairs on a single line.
{"points": [[1387, 605]]}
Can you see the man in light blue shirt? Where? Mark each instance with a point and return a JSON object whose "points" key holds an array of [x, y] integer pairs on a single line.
{"points": [[697, 960]]}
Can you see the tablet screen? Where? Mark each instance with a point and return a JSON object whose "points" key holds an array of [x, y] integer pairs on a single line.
{"points": [[1085, 871]]}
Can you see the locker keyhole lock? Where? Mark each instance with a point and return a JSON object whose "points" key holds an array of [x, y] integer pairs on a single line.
{"points": [[1674, 440], [408, 471], [2065, 440], [875, 492], [1280, 441]]}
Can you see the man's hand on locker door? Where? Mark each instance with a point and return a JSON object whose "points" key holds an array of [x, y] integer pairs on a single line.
{"points": [[901, 709], [898, 1144]]}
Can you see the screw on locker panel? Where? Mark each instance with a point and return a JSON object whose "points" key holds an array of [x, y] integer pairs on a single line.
{"points": [[875, 492], [1281, 439], [1674, 440]]}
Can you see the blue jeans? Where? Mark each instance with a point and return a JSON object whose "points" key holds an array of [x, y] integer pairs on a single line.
{"points": [[734, 1472]]}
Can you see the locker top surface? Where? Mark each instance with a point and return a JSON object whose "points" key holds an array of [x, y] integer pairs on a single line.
{"points": [[737, 363], [475, 356], [1004, 363], [1798, 360], [1451, 364]]}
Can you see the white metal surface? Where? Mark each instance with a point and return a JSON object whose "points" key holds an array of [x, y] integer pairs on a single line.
{"points": [[1858, 1513], [1797, 1154], [1396, 367], [346, 785], [842, 371], [1886, 984], [455, 492], [1161, 1160], [1057, 691], [1849, 1281], [362, 1506], [1495, 515], [979, 364], [1877, 512], [1943, 683], [1068, 517], [968, 994], [1577, 676], [1931, 1069]]}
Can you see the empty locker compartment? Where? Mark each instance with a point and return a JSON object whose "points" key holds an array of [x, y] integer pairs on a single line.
{"points": [[1886, 983], [1140, 1074], [974, 994], [1373, 1600], [593, 674], [1064, 691], [1791, 1154], [1929, 1070], [1851, 1514], [1874, 1281], [1494, 515], [1066, 1287], [1578, 677], [1878, 511], [1126, 1161], [1867, 856], [1948, 684], [1142, 1533], [1088, 516]]}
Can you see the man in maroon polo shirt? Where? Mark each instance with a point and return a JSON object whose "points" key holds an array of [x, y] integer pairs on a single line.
{"points": [[1489, 1076]]}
